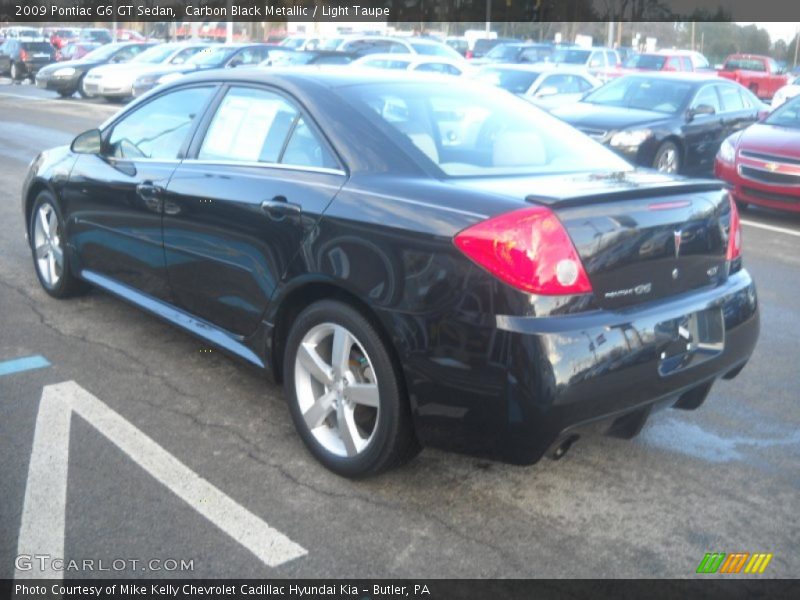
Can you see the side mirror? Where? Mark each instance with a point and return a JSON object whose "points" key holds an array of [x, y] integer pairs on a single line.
{"points": [[546, 91], [701, 109], [88, 142]]}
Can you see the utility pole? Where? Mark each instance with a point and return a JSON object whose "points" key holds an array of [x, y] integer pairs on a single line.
{"points": [[610, 40], [692, 35], [796, 44], [488, 17]]}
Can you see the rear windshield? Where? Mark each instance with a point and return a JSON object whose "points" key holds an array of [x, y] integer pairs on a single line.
{"points": [[466, 129], [745, 64], [503, 51], [647, 61], [37, 47]]}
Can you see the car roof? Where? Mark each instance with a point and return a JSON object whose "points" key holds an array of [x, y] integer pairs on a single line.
{"points": [[303, 77]]}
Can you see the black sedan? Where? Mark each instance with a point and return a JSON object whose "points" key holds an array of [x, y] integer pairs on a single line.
{"points": [[671, 122], [22, 58], [66, 78], [421, 261]]}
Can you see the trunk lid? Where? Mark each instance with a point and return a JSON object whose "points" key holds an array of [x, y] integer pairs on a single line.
{"points": [[646, 243], [640, 235]]}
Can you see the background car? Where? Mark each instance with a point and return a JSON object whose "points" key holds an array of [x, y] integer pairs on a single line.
{"points": [[672, 122], [600, 62], [76, 50], [115, 81], [286, 57], [760, 74], [95, 34], [659, 61], [788, 91], [459, 44], [545, 85], [323, 226], [415, 62], [762, 163], [483, 45], [374, 44], [217, 56], [21, 58], [68, 77], [515, 52]]}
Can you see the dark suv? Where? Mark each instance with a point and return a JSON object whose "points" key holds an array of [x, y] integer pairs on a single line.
{"points": [[22, 58]]}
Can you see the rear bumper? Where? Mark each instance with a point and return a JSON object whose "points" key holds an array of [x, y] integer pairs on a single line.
{"points": [[536, 381]]}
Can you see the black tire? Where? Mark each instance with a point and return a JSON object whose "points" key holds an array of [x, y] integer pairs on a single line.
{"points": [[393, 441], [68, 285], [742, 205], [15, 73], [668, 152], [65, 94]]}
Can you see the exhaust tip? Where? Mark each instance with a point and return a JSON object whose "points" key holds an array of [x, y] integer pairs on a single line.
{"points": [[562, 448]]}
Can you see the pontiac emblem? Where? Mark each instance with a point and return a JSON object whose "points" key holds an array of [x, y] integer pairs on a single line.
{"points": [[677, 236], [771, 166]]}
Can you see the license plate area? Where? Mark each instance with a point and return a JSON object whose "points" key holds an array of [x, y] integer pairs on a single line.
{"points": [[690, 340]]}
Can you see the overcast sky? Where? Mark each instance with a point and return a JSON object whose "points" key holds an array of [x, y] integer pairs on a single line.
{"points": [[777, 31]]}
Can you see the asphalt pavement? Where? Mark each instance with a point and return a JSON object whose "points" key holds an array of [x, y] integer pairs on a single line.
{"points": [[170, 452]]}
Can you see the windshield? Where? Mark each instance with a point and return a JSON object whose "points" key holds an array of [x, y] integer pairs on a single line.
{"points": [[503, 52], [154, 55], [570, 57], [466, 129], [787, 115], [513, 80], [647, 61], [211, 57], [666, 96]]}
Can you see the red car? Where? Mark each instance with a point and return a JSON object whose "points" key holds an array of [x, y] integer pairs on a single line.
{"points": [[762, 163], [759, 74]]}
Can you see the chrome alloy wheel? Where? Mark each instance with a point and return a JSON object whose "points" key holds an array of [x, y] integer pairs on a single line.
{"points": [[668, 161], [337, 391], [48, 244]]}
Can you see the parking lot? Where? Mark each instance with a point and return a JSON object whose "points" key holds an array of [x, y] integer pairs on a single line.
{"points": [[178, 453]]}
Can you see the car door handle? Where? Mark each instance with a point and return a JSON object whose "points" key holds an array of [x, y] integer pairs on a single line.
{"points": [[149, 192], [279, 207]]}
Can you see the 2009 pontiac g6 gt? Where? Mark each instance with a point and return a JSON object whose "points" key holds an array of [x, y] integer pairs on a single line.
{"points": [[420, 261]]}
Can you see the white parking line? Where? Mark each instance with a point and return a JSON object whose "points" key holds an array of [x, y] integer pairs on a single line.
{"points": [[42, 528], [793, 232]]}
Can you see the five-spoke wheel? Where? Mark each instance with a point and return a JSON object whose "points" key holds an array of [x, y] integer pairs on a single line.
{"points": [[346, 398]]}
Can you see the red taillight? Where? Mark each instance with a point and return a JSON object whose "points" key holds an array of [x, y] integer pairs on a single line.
{"points": [[23, 55], [468, 55], [528, 249], [734, 233]]}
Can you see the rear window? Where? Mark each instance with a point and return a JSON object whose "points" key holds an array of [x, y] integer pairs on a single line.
{"points": [[466, 130], [745, 64], [647, 61], [37, 47]]}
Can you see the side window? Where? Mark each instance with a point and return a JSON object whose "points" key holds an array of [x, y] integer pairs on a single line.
{"points": [[731, 98], [707, 96], [306, 150], [158, 129], [687, 63], [611, 58], [584, 85], [672, 64], [434, 67], [125, 54], [181, 56], [596, 59], [250, 125]]}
